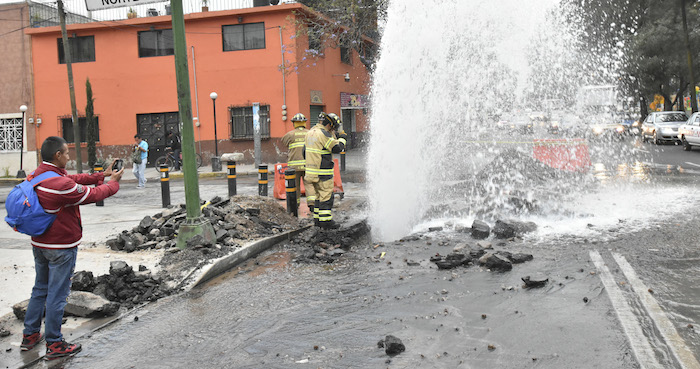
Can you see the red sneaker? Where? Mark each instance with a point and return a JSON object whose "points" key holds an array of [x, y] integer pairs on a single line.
{"points": [[30, 340], [55, 350]]}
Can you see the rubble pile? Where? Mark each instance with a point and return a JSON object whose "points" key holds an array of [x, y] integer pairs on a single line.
{"points": [[326, 246], [124, 285], [235, 220], [494, 260]]}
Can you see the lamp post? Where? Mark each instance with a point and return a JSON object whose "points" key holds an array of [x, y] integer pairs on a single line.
{"points": [[20, 172], [215, 161], [213, 96]]}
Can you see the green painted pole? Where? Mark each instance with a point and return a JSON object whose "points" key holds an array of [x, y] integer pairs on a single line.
{"points": [[194, 224]]}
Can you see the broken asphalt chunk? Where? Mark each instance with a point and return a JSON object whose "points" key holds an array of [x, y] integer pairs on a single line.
{"points": [[534, 283]]}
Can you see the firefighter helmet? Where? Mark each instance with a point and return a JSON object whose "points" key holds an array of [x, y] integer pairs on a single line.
{"points": [[299, 120], [330, 119]]}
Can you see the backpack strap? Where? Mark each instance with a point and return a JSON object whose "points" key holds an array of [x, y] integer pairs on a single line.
{"points": [[42, 177]]}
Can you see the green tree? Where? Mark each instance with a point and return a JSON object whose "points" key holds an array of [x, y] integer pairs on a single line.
{"points": [[91, 126]]}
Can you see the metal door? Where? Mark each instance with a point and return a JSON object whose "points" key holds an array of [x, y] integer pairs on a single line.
{"points": [[314, 111], [152, 127]]}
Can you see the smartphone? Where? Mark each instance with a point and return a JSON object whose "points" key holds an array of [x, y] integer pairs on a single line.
{"points": [[118, 165]]}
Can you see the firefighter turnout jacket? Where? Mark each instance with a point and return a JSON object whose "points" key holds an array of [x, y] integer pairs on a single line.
{"points": [[320, 147], [294, 141]]}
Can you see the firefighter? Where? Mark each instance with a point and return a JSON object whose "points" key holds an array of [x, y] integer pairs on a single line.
{"points": [[321, 144], [294, 141]]}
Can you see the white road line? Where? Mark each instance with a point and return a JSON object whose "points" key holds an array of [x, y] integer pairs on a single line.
{"points": [[693, 164], [682, 353], [640, 345]]}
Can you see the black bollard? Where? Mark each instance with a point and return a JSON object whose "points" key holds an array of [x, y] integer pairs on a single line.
{"points": [[342, 161], [262, 180], [99, 168], [165, 185], [292, 206], [231, 166]]}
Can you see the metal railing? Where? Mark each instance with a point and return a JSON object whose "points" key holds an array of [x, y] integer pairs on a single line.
{"points": [[44, 14]]}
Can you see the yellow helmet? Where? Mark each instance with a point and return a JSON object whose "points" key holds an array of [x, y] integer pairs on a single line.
{"points": [[299, 120]]}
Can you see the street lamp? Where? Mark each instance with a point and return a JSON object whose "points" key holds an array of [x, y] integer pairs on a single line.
{"points": [[213, 96], [215, 161], [20, 172]]}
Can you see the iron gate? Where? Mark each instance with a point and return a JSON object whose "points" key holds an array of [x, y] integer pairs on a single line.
{"points": [[152, 127]]}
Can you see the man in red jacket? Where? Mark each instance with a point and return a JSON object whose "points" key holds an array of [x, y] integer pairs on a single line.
{"points": [[56, 250]]}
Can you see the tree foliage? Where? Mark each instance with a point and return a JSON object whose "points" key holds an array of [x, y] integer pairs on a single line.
{"points": [[91, 126], [351, 24], [648, 38]]}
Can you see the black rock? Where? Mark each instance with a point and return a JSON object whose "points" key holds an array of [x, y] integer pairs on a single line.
{"points": [[83, 281], [531, 283], [480, 230], [495, 262], [198, 240], [119, 268], [434, 229], [114, 244], [520, 258], [145, 224], [512, 228], [142, 268], [4, 332], [129, 245], [167, 230], [221, 234], [393, 346], [253, 211]]}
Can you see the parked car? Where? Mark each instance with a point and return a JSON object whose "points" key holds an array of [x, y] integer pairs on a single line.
{"points": [[662, 126], [689, 133]]}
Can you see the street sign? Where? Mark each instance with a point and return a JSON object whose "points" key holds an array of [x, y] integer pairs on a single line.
{"points": [[113, 4]]}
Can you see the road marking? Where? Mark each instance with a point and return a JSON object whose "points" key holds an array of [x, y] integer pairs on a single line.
{"points": [[640, 345], [693, 164], [681, 352]]}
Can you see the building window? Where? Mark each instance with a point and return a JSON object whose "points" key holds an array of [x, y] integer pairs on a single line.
{"points": [[10, 134], [82, 49], [346, 55], [67, 129], [242, 121], [243, 36], [156, 43]]}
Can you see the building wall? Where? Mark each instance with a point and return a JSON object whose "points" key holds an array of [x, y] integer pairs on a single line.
{"points": [[16, 82], [125, 85]]}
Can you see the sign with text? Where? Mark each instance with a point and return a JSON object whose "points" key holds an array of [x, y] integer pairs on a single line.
{"points": [[113, 4]]}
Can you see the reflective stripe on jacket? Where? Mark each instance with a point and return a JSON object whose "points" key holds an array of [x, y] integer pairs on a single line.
{"points": [[320, 146], [294, 141]]}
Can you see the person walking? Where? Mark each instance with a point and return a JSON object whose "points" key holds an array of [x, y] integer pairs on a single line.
{"points": [[140, 169], [294, 141], [174, 144], [321, 143], [55, 251]]}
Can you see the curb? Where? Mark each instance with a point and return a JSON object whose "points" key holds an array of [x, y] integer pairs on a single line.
{"points": [[251, 250]]}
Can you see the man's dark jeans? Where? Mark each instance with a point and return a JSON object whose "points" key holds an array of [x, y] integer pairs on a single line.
{"points": [[54, 269]]}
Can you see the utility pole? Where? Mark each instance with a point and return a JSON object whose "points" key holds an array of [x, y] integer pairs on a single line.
{"points": [[195, 224], [693, 98], [74, 111]]}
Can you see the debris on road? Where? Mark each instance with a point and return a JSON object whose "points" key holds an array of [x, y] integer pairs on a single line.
{"points": [[391, 345], [532, 283]]}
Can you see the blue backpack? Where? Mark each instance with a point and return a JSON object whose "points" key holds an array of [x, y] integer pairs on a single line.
{"points": [[24, 212]]}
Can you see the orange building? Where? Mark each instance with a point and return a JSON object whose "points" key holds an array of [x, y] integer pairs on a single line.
{"points": [[236, 53]]}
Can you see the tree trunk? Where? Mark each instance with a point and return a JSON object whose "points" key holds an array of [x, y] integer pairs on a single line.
{"points": [[691, 74]]}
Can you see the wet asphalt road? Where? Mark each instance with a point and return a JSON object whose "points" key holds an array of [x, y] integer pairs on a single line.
{"points": [[277, 313]]}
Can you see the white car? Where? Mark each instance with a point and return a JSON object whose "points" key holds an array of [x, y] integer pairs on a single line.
{"points": [[689, 133], [661, 126]]}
